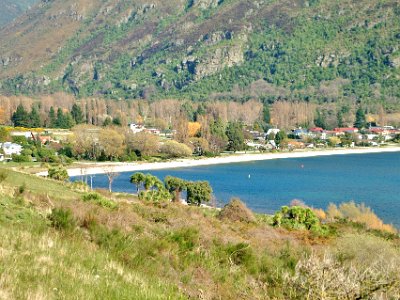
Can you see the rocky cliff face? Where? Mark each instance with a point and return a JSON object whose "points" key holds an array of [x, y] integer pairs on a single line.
{"points": [[193, 48], [11, 9]]}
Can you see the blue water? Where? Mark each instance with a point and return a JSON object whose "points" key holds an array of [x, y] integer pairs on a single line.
{"points": [[370, 178]]}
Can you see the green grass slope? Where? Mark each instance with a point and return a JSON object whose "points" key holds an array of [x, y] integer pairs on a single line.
{"points": [[318, 51], [58, 246]]}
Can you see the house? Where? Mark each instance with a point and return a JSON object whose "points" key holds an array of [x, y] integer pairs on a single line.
{"points": [[255, 145], [1, 157], [45, 139], [316, 130], [11, 148], [343, 130], [154, 131], [136, 128], [300, 132]]}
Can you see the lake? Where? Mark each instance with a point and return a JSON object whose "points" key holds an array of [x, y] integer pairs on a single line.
{"points": [[267, 185]]}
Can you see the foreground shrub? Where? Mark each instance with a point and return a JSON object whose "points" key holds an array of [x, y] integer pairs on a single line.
{"points": [[62, 219], [236, 210], [99, 200], [80, 186], [297, 217], [3, 177], [186, 238], [328, 278], [358, 213], [58, 173]]}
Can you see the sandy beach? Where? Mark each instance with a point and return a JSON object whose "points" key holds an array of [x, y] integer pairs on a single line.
{"points": [[102, 168]]}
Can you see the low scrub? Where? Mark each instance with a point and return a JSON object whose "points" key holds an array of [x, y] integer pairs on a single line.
{"points": [[62, 219], [327, 278], [58, 173], [236, 210], [80, 186], [358, 213], [99, 200]]}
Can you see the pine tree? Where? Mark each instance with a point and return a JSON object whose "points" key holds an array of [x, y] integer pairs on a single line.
{"points": [[279, 137], [60, 119], [34, 116], [64, 121], [319, 120], [52, 118], [117, 121], [69, 121], [340, 118], [20, 117], [235, 135], [107, 122], [77, 114], [266, 114], [360, 119]]}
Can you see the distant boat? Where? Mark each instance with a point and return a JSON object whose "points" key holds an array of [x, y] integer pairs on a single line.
{"points": [[249, 176]]}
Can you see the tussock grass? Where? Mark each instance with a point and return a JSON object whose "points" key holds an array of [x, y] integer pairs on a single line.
{"points": [[60, 246], [38, 262]]}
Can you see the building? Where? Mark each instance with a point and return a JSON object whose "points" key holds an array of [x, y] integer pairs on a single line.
{"points": [[300, 132], [11, 148], [154, 131], [343, 130], [136, 128]]}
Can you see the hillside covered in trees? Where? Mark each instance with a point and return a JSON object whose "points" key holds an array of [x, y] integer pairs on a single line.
{"points": [[316, 51]]}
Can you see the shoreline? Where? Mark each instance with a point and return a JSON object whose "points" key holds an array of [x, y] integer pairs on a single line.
{"points": [[119, 167]]}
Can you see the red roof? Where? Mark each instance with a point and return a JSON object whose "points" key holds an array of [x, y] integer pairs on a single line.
{"points": [[317, 129], [346, 129]]}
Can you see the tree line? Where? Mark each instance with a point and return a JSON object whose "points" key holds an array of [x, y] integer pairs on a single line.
{"points": [[63, 111]]}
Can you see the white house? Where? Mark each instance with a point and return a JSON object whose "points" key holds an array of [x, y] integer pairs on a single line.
{"points": [[11, 148], [136, 128]]}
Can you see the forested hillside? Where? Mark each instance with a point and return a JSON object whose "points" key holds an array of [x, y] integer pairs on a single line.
{"points": [[317, 51], [11, 9]]}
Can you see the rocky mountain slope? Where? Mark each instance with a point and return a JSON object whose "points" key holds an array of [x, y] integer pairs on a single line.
{"points": [[10, 9], [316, 50]]}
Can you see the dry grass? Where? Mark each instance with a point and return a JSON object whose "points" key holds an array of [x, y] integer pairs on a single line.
{"points": [[145, 250], [236, 210], [358, 213]]}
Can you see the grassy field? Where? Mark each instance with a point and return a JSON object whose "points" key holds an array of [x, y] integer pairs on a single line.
{"points": [[59, 243]]}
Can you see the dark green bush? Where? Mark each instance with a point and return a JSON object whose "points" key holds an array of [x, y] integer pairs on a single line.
{"points": [[186, 238], [62, 219]]}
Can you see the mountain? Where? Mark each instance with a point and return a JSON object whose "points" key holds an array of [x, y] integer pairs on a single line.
{"points": [[317, 51], [11, 9]]}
